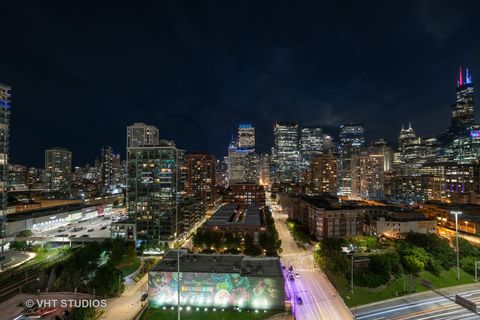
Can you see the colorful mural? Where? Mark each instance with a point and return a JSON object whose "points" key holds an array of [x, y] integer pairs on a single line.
{"points": [[216, 289]]}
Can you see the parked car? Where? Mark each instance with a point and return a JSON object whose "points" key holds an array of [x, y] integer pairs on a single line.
{"points": [[144, 297], [84, 236], [103, 228], [299, 300], [291, 278], [297, 275], [290, 269], [90, 230]]}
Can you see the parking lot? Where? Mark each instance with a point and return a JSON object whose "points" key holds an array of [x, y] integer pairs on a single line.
{"points": [[97, 227]]}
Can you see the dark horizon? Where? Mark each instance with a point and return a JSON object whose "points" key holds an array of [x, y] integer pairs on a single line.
{"points": [[80, 73]]}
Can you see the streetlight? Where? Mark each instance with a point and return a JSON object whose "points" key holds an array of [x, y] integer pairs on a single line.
{"points": [[456, 213]]}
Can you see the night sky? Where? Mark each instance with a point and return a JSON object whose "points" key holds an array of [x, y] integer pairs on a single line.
{"points": [[81, 72]]}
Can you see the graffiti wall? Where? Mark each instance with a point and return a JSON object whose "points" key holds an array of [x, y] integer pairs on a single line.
{"points": [[216, 290]]}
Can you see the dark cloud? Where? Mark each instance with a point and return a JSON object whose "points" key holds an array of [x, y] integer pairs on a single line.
{"points": [[82, 71]]}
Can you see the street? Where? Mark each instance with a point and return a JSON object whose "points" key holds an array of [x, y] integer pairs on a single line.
{"points": [[426, 306], [320, 299]]}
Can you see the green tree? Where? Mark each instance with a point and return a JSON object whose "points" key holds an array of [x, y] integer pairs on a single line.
{"points": [[439, 248], [85, 314], [25, 233], [467, 249], [250, 248], [414, 259], [468, 264], [118, 250], [19, 245], [108, 281], [198, 239]]}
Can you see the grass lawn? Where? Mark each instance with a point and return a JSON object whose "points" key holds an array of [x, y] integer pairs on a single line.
{"points": [[153, 313], [128, 265], [363, 295]]}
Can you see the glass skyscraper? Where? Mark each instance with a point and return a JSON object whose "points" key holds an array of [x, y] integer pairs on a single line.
{"points": [[352, 142], [5, 105], [155, 187], [286, 154]]}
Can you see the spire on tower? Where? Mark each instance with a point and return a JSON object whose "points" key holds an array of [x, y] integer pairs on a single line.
{"points": [[468, 78], [403, 128], [460, 77], [409, 126]]}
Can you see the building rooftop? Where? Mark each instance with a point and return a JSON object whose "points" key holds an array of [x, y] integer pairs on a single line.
{"points": [[231, 214], [219, 263]]}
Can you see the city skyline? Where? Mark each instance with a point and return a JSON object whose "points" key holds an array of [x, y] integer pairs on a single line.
{"points": [[196, 80]]}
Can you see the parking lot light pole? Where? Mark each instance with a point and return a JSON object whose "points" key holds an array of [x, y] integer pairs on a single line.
{"points": [[456, 213], [351, 276]]}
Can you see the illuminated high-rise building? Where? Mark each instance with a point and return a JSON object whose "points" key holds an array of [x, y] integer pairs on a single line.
{"points": [[322, 174], [461, 142], [155, 187], [246, 136], [200, 181], [141, 134], [110, 171], [286, 153], [243, 162], [380, 147], [367, 177], [406, 137], [311, 144], [264, 168], [58, 170], [5, 105], [463, 111], [352, 142]]}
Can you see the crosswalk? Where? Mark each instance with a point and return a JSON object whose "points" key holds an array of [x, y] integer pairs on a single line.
{"points": [[296, 254], [307, 269]]}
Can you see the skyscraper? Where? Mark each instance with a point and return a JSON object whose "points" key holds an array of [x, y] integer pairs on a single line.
{"points": [[352, 142], [200, 180], [141, 134], [381, 147], [311, 144], [58, 170], [5, 105], [461, 142], [110, 170], [246, 136], [286, 154], [242, 159], [322, 174], [155, 187], [367, 176], [463, 111]]}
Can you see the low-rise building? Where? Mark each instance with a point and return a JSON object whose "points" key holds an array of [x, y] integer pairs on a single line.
{"points": [[394, 222], [325, 217], [217, 281], [240, 221]]}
